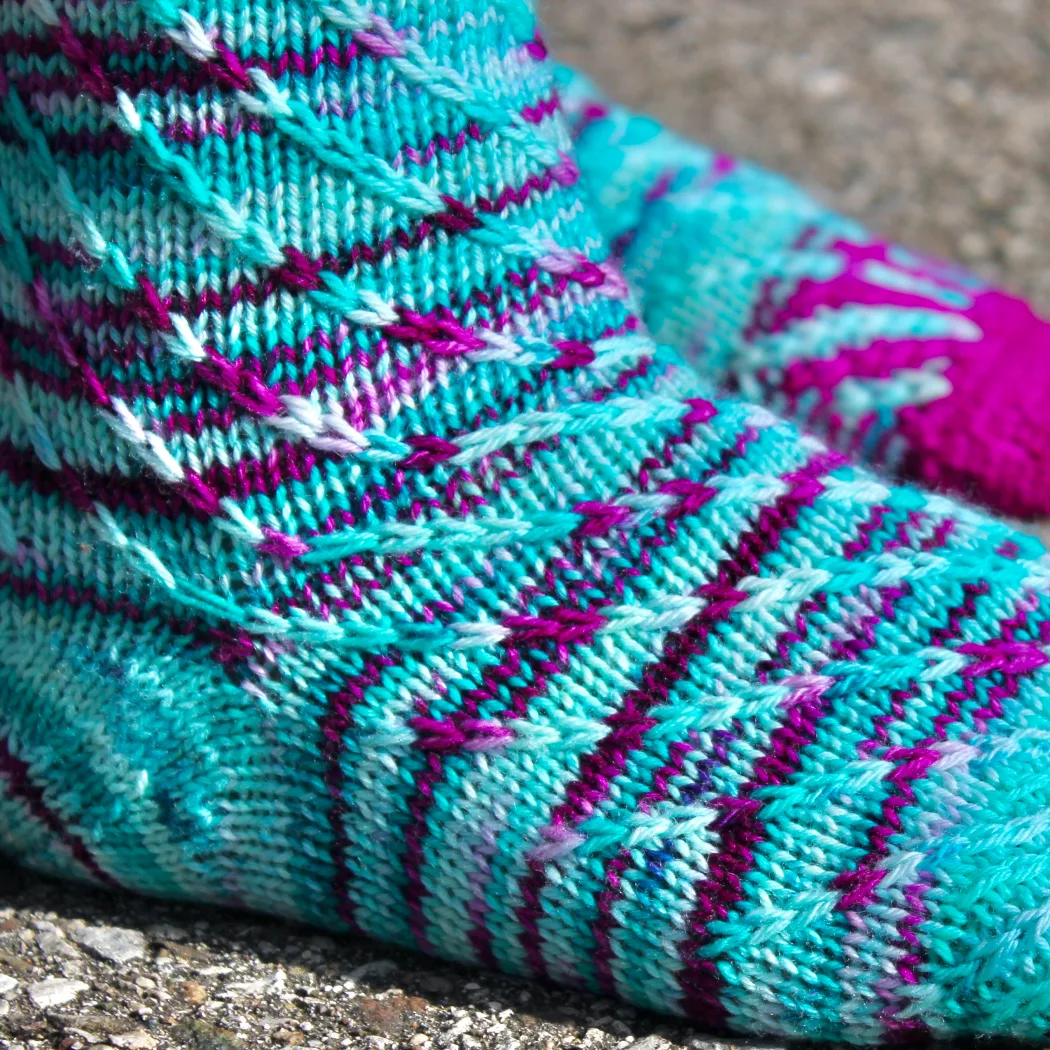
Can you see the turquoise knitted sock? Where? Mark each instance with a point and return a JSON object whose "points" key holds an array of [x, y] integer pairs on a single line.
{"points": [[365, 563], [903, 362]]}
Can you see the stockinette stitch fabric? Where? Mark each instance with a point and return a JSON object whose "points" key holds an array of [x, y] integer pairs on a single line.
{"points": [[364, 562], [905, 363]]}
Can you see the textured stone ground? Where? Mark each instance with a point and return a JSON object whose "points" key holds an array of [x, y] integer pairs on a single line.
{"points": [[80, 968], [927, 118]]}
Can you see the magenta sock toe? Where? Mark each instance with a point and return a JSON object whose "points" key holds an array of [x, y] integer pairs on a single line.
{"points": [[989, 437], [903, 362]]}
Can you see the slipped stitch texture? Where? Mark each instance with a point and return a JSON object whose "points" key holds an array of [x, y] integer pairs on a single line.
{"points": [[901, 361], [364, 562]]}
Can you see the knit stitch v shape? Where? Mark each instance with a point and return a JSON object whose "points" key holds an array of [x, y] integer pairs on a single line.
{"points": [[365, 562]]}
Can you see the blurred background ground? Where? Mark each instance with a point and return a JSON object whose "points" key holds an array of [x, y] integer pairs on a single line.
{"points": [[926, 118]]}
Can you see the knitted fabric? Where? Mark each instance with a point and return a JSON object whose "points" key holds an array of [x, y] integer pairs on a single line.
{"points": [[903, 362], [365, 563]]}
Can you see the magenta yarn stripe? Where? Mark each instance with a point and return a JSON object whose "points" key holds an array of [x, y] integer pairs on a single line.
{"points": [[113, 140], [32, 45], [740, 829], [301, 274], [244, 381], [287, 465], [247, 391], [246, 478], [96, 324], [629, 725], [338, 718], [15, 774], [137, 310], [334, 724], [878, 356], [82, 488], [460, 217], [480, 935], [87, 79], [227, 70], [850, 287], [564, 627], [605, 923], [91, 56], [859, 885], [230, 648], [1014, 661]]}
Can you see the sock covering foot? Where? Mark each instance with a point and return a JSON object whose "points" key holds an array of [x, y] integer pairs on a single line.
{"points": [[901, 361], [364, 562]]}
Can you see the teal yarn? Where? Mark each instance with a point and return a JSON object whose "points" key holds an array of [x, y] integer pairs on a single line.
{"points": [[365, 562], [903, 362]]}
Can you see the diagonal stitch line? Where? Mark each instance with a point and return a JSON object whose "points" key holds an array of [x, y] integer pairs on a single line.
{"points": [[150, 446], [251, 238], [579, 622], [859, 881], [377, 36], [627, 727], [606, 921], [112, 261], [330, 144], [617, 413], [739, 830], [228, 649], [15, 773], [743, 827], [35, 296], [443, 336], [537, 425], [415, 64], [84, 487], [338, 719], [300, 123], [335, 722]]}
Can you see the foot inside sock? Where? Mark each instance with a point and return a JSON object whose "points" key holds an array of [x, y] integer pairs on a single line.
{"points": [[365, 563], [901, 361]]}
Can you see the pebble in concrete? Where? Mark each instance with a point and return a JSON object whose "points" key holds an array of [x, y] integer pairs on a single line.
{"points": [[55, 991], [139, 1039], [112, 943]]}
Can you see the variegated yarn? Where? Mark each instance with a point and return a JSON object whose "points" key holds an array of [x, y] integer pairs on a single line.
{"points": [[901, 361], [363, 561]]}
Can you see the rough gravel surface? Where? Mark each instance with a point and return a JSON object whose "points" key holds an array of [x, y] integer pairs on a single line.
{"points": [[928, 119], [80, 968]]}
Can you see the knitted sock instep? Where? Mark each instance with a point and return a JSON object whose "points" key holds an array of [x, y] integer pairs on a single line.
{"points": [[902, 361], [364, 562]]}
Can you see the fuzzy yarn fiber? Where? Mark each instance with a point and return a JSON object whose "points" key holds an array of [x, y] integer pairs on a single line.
{"points": [[901, 361], [363, 561]]}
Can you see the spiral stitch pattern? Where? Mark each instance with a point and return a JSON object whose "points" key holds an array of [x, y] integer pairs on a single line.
{"points": [[363, 561]]}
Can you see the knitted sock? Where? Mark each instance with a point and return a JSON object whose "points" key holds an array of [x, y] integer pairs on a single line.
{"points": [[899, 360], [364, 563]]}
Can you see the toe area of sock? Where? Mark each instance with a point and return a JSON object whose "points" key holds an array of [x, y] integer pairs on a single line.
{"points": [[989, 439]]}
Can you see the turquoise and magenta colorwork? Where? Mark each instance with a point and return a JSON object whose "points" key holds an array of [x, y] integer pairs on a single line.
{"points": [[905, 363], [363, 561]]}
